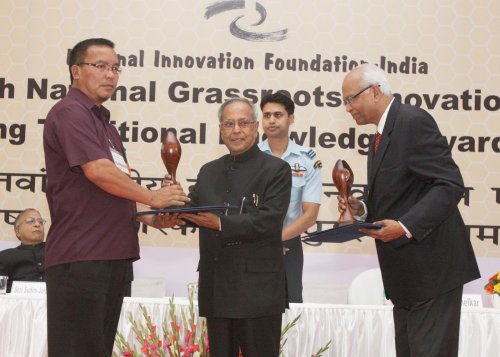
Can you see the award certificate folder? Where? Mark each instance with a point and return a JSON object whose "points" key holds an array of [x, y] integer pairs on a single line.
{"points": [[344, 232], [187, 209]]}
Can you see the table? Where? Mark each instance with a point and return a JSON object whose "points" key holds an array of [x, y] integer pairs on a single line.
{"points": [[354, 330]]}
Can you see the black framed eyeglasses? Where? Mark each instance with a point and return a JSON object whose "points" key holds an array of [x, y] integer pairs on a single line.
{"points": [[351, 98], [230, 124], [103, 67]]}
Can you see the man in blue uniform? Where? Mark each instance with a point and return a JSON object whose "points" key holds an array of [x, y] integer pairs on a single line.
{"points": [[277, 116]]}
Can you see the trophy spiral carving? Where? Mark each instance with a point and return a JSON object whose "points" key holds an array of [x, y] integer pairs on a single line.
{"points": [[343, 178], [171, 153]]}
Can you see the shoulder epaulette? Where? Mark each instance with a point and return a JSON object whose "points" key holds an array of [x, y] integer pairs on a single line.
{"points": [[311, 154]]}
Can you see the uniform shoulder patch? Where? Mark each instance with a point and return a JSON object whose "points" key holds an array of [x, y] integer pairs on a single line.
{"points": [[318, 164], [311, 154]]}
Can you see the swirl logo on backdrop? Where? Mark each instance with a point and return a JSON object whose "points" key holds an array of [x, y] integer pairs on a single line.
{"points": [[237, 27]]}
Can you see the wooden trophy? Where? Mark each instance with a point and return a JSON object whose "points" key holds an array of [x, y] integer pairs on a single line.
{"points": [[343, 178], [171, 153]]}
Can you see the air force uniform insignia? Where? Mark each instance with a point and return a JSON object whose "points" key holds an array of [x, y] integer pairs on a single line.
{"points": [[311, 154], [297, 167], [298, 170]]}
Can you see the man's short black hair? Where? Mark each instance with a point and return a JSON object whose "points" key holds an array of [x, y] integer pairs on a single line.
{"points": [[78, 52], [280, 98]]}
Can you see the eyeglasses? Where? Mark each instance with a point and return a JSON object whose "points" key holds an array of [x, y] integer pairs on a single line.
{"points": [[32, 220], [229, 124], [103, 67], [351, 98]]}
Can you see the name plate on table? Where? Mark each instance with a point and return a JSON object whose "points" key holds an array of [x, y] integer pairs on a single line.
{"points": [[472, 300], [28, 287]]}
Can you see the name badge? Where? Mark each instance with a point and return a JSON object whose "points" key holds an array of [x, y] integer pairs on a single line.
{"points": [[119, 161]]}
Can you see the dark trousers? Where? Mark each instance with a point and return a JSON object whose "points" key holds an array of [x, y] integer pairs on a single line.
{"points": [[429, 328], [257, 337], [84, 301], [294, 264]]}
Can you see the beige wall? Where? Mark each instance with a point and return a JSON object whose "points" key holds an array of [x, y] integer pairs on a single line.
{"points": [[443, 51]]}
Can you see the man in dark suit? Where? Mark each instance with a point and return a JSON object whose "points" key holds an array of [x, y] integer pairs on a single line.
{"points": [[414, 187], [242, 289], [25, 262]]}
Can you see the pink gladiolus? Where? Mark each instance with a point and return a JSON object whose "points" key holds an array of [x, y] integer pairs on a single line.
{"points": [[189, 350], [145, 347], [187, 338]]}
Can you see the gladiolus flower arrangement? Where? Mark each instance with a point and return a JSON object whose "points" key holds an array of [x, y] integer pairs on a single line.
{"points": [[186, 337]]}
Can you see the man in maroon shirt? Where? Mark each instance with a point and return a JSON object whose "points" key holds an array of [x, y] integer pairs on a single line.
{"points": [[92, 240]]}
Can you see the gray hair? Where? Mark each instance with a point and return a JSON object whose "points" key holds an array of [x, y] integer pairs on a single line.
{"points": [[234, 100], [16, 222], [372, 74]]}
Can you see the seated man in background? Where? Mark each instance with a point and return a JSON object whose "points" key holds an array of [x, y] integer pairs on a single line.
{"points": [[25, 262]]}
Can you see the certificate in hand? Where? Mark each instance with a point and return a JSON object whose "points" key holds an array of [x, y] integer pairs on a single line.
{"points": [[187, 209], [344, 232]]}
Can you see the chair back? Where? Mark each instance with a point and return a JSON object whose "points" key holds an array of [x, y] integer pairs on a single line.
{"points": [[367, 289]]}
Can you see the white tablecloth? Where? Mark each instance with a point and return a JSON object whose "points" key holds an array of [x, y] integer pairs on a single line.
{"points": [[354, 330]]}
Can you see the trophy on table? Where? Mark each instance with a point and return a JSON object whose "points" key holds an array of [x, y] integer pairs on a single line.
{"points": [[171, 153], [343, 177]]}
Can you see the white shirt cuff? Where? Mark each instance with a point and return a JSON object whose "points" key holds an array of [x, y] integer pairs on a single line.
{"points": [[363, 216], [408, 234]]}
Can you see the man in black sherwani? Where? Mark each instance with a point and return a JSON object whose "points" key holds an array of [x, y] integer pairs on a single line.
{"points": [[242, 289]]}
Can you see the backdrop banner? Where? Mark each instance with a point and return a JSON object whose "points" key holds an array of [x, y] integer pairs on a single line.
{"points": [[182, 59]]}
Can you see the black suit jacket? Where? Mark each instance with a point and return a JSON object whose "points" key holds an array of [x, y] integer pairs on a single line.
{"points": [[413, 179], [241, 268], [23, 263]]}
